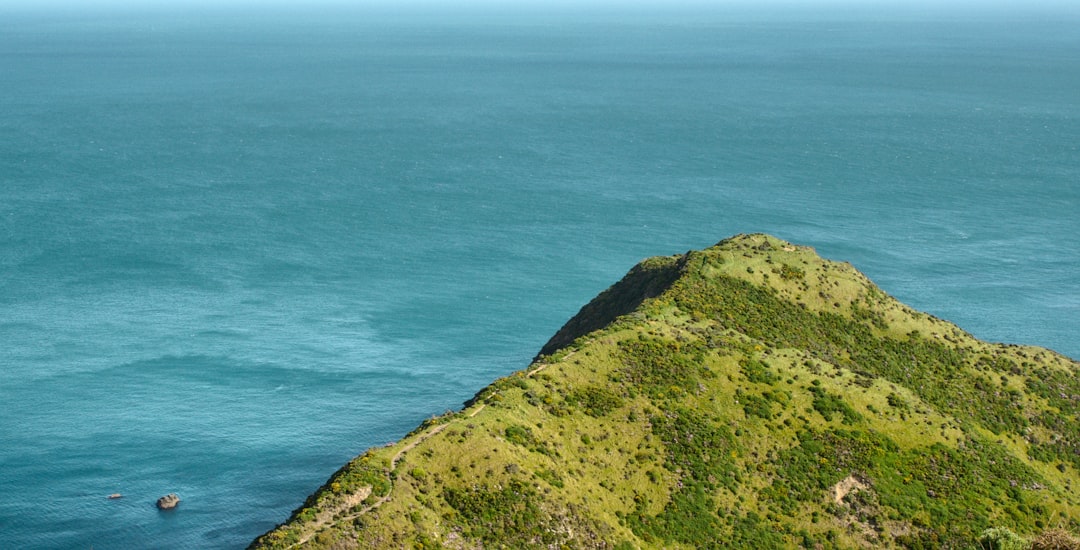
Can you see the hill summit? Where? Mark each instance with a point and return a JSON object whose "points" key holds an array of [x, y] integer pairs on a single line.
{"points": [[751, 394]]}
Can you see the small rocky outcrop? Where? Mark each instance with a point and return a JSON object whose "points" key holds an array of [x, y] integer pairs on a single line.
{"points": [[168, 502]]}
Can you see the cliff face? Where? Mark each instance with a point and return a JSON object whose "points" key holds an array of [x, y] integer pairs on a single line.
{"points": [[748, 395]]}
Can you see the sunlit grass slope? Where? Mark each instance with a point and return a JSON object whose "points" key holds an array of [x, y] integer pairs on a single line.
{"points": [[749, 395]]}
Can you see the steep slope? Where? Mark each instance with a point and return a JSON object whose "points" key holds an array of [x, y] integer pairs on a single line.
{"points": [[748, 395]]}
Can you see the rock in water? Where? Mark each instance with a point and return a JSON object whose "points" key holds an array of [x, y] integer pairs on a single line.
{"points": [[168, 502]]}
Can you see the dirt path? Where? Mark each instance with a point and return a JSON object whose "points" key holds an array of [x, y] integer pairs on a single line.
{"points": [[412, 445], [546, 365], [326, 518]]}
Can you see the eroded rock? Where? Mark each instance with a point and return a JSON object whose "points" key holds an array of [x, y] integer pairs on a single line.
{"points": [[168, 502]]}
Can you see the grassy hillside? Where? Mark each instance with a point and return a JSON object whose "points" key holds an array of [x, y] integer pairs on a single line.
{"points": [[748, 395]]}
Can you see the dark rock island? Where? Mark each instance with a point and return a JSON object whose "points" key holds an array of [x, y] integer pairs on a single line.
{"points": [[168, 502]]}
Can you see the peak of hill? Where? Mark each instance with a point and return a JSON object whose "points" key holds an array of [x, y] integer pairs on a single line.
{"points": [[749, 395]]}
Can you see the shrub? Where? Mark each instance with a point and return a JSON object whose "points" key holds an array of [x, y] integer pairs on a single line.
{"points": [[596, 401], [789, 272], [1001, 538], [492, 515], [827, 403], [896, 402], [757, 371], [656, 365], [519, 435], [754, 405], [552, 477]]}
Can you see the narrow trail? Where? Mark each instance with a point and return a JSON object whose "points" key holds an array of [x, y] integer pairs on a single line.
{"points": [[546, 365], [326, 518]]}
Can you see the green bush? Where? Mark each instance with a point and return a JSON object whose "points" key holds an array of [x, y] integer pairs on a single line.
{"points": [[1001, 538], [656, 365], [757, 371], [700, 450], [918, 363], [828, 404], [754, 405], [790, 272], [596, 401], [509, 514]]}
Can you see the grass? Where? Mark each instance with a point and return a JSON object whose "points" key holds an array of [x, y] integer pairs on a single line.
{"points": [[715, 400]]}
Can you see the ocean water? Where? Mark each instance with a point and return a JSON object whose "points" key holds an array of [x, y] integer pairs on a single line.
{"points": [[239, 246]]}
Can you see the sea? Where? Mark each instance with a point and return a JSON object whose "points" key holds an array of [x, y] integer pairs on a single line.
{"points": [[242, 243]]}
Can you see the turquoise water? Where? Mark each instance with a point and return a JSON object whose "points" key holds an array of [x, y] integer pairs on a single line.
{"points": [[239, 247]]}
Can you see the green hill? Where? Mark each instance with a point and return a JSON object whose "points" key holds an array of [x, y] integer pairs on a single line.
{"points": [[749, 395]]}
